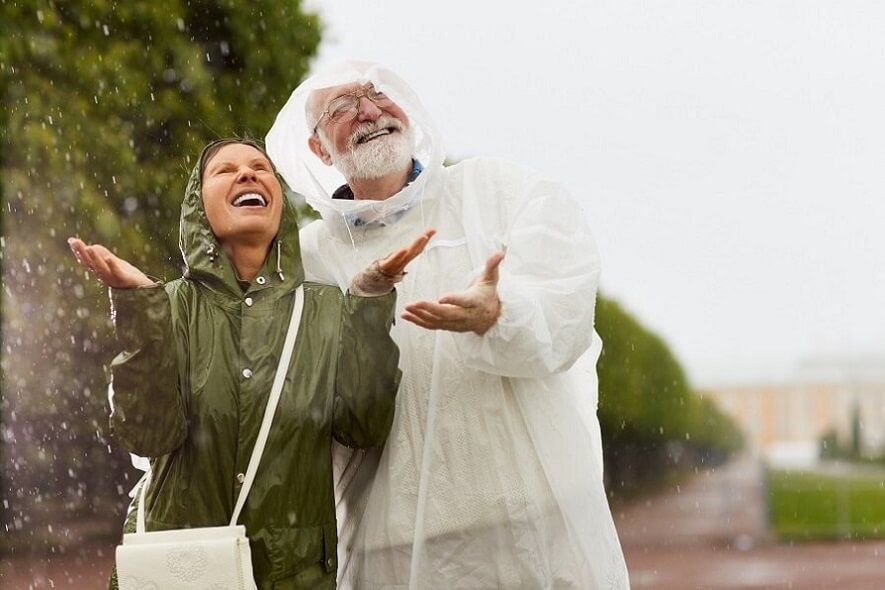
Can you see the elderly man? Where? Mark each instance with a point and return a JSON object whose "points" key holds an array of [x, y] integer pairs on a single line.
{"points": [[492, 474]]}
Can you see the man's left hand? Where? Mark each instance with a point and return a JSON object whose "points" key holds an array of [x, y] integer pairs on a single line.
{"points": [[475, 309]]}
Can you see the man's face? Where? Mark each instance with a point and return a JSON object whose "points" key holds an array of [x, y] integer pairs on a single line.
{"points": [[242, 196], [370, 140]]}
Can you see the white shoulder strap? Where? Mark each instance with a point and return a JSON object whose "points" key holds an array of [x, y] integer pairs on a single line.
{"points": [[139, 519], [275, 391], [270, 409]]}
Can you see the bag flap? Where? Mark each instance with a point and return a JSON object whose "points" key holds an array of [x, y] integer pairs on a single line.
{"points": [[186, 535]]}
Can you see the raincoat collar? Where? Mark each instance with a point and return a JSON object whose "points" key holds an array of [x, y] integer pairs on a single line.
{"points": [[367, 219], [344, 191], [206, 262]]}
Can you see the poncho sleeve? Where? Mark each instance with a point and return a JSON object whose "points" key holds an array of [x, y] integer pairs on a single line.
{"points": [[548, 280], [147, 411], [368, 375]]}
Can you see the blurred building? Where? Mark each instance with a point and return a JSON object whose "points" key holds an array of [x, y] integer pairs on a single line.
{"points": [[785, 417]]}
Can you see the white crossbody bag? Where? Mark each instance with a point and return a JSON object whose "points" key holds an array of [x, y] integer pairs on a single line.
{"points": [[215, 557]]}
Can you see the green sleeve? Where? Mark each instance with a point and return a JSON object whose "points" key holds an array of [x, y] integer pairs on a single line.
{"points": [[368, 374], [147, 412]]}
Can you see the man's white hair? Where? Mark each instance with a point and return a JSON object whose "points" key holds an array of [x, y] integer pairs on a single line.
{"points": [[312, 108]]}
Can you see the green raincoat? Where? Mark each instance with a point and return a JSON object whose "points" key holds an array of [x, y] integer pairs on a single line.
{"points": [[190, 388]]}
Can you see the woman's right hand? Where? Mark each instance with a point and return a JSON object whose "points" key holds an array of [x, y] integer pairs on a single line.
{"points": [[107, 267]]}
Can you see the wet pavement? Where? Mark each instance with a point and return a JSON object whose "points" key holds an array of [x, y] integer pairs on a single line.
{"points": [[711, 533], [86, 568]]}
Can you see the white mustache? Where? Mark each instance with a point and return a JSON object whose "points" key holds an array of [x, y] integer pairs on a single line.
{"points": [[367, 128]]}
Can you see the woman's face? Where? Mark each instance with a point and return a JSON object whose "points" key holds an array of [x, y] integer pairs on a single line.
{"points": [[242, 196]]}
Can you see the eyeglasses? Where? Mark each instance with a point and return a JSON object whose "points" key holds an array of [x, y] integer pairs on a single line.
{"points": [[345, 107]]}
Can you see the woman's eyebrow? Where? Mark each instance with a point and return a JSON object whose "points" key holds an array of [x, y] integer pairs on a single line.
{"points": [[215, 165]]}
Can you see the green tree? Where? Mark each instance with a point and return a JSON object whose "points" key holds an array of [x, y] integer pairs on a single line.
{"points": [[105, 104], [652, 421]]}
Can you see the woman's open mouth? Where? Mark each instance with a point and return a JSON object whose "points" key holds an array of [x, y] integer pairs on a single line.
{"points": [[250, 200]]}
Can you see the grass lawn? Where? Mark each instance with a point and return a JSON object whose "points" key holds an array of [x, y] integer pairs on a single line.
{"points": [[809, 506]]}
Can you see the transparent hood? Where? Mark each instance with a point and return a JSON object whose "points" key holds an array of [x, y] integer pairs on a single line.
{"points": [[287, 144]]}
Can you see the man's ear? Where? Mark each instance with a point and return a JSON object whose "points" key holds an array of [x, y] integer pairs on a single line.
{"points": [[316, 146]]}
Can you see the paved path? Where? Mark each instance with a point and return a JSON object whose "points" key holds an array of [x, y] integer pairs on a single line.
{"points": [[710, 533], [87, 568], [707, 534]]}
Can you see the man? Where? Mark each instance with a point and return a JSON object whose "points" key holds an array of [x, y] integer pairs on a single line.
{"points": [[492, 474]]}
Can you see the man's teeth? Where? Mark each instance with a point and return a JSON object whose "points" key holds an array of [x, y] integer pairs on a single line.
{"points": [[250, 200], [375, 135]]}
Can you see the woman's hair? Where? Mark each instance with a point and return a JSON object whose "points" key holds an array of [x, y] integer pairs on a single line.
{"points": [[213, 148]]}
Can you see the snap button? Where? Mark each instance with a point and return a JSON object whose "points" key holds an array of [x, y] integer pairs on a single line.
{"points": [[241, 477], [329, 562], [249, 301], [261, 280], [247, 373]]}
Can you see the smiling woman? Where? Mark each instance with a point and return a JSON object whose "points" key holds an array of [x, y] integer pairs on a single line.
{"points": [[243, 200], [199, 355]]}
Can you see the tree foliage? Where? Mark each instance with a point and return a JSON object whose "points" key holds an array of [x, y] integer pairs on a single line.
{"points": [[105, 106], [649, 415]]}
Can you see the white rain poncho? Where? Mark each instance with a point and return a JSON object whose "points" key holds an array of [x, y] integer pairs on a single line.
{"points": [[492, 474]]}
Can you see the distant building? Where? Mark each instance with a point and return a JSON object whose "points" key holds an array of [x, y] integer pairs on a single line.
{"points": [[785, 418]]}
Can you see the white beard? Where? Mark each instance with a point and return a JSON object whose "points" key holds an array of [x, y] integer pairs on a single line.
{"points": [[378, 157]]}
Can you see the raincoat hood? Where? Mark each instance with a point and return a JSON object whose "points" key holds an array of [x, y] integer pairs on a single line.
{"points": [[287, 145], [204, 258]]}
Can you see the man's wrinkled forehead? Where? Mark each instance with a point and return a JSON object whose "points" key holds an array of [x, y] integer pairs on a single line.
{"points": [[321, 97], [333, 92], [318, 100]]}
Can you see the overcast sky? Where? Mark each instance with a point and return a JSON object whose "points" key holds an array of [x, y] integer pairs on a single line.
{"points": [[730, 155]]}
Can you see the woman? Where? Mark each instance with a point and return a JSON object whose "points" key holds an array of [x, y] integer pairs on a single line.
{"points": [[199, 355]]}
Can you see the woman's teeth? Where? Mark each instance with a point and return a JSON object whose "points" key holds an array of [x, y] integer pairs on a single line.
{"points": [[250, 200]]}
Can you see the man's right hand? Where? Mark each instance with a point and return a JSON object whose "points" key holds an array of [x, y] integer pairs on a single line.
{"points": [[108, 268]]}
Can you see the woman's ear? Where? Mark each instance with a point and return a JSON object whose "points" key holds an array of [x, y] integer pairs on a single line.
{"points": [[316, 146]]}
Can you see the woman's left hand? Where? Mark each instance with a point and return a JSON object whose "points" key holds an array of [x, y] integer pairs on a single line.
{"points": [[380, 277], [396, 263]]}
